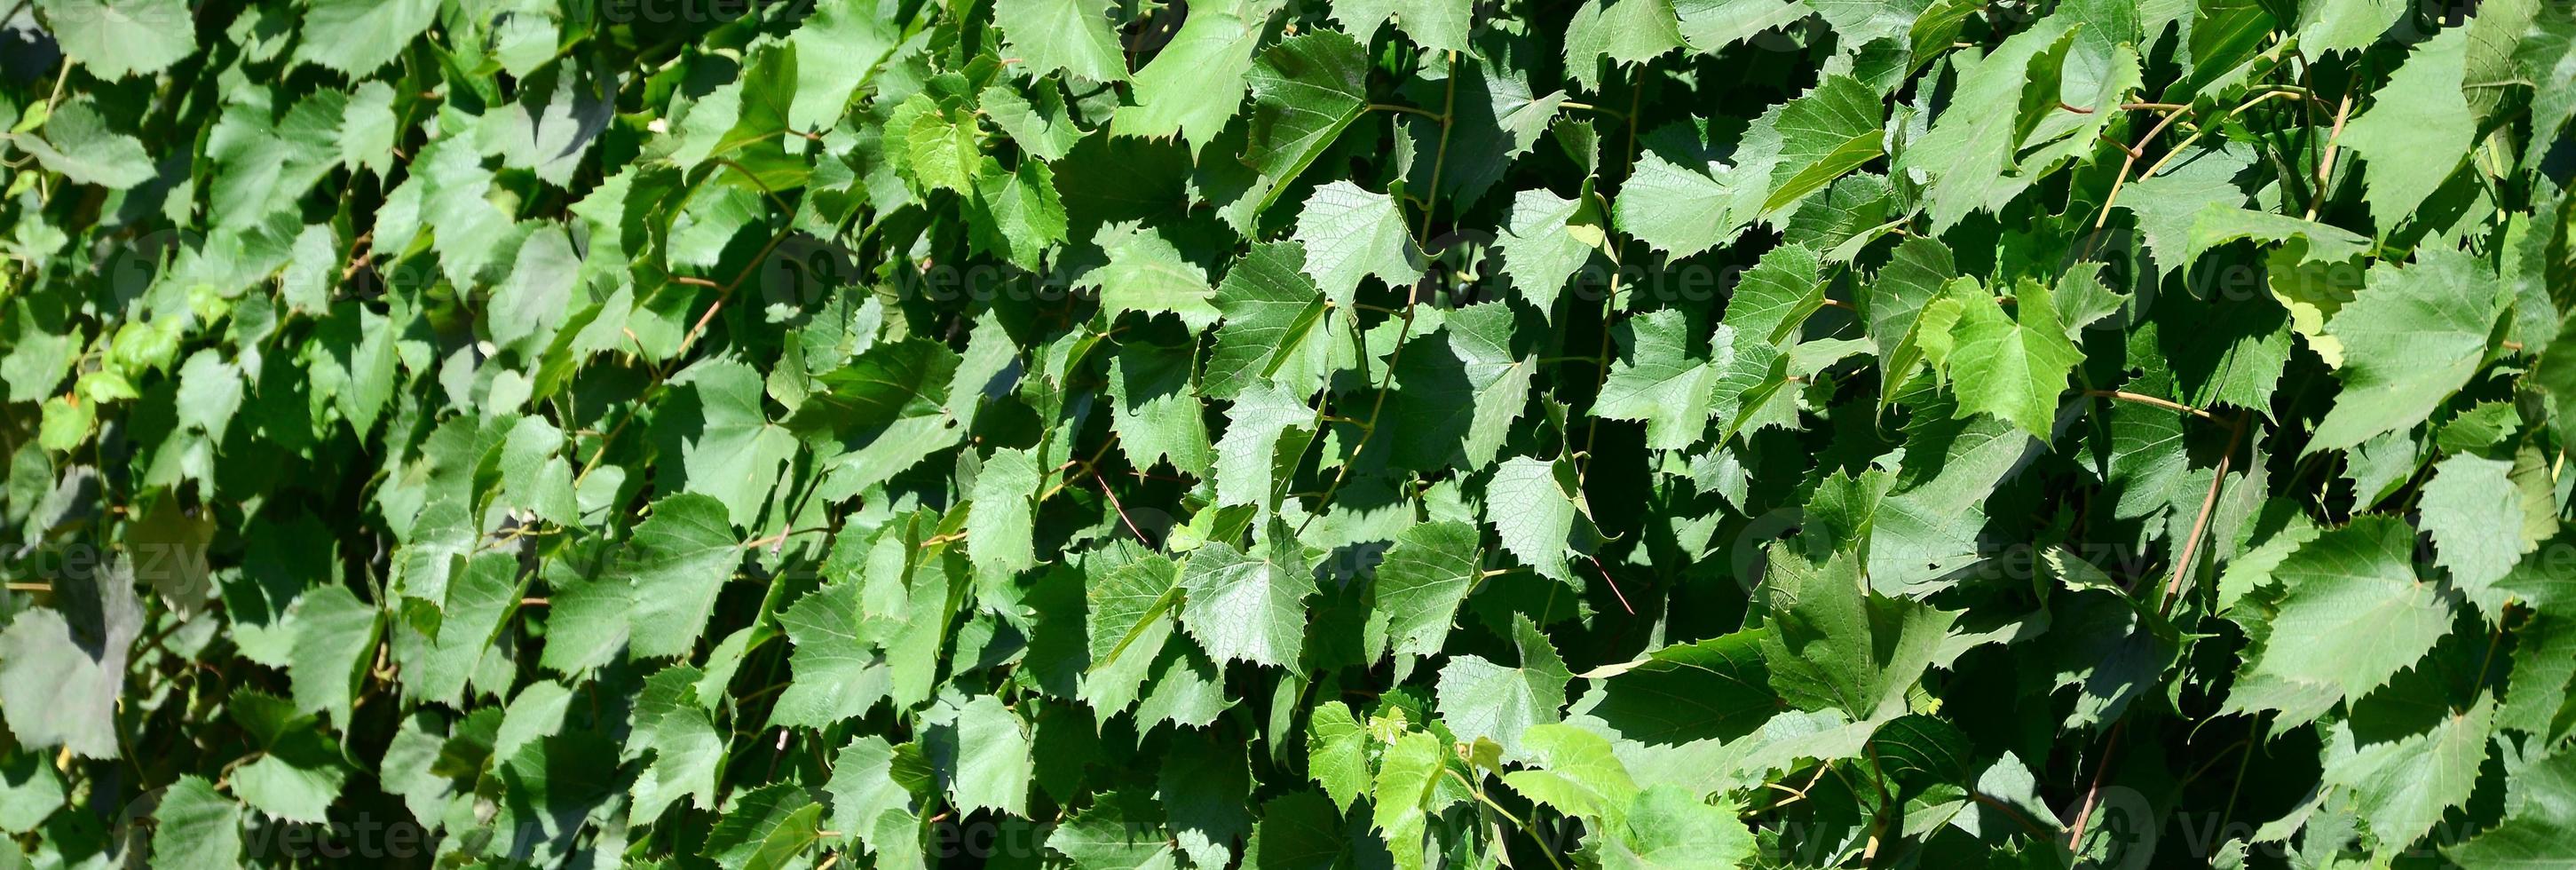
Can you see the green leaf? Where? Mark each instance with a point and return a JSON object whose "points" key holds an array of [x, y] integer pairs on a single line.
{"points": [[1195, 84], [2352, 614], [2475, 517], [1156, 409], [943, 150], [78, 144], [1402, 791], [2218, 223], [559, 786], [998, 532], [1531, 506], [1185, 689], [680, 558], [837, 50], [2411, 338], [528, 307], [1350, 234], [62, 671], [439, 664], [1069, 35], [1249, 606], [1716, 689], [981, 750], [688, 753], [1299, 829], [1124, 601], [1833, 643], [1040, 124], [356, 37], [1147, 272], [335, 641], [2539, 819], [1575, 772], [761, 825], [1545, 242], [1024, 217], [1831, 130], [1776, 295], [1696, 187], [1658, 382], [876, 792], [1244, 456], [2169, 204], [2417, 130], [1337, 753], [2343, 25], [1668, 826], [1116, 833], [1712, 26], [1305, 89], [1458, 398], [1205, 786], [727, 446], [536, 712], [1969, 152], [2012, 367], [887, 386], [31, 790], [194, 827], [299, 772], [1421, 581], [1483, 700], [2404, 786], [114, 39], [1627, 32], [836, 673], [1437, 25], [1277, 329]]}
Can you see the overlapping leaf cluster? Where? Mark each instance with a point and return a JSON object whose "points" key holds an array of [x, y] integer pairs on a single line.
{"points": [[1411, 433]]}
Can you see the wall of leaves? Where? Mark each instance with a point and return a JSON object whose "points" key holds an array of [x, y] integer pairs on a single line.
{"points": [[1287, 433]]}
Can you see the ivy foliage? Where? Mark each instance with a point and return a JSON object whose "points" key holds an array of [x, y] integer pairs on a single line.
{"points": [[1367, 433]]}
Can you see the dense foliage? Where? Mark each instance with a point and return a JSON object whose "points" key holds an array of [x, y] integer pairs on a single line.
{"points": [[1407, 433]]}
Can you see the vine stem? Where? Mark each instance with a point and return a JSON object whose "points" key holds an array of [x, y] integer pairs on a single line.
{"points": [[2185, 145], [2173, 589], [2325, 159], [2143, 399], [1368, 430], [2093, 793], [1115, 505], [660, 376], [2131, 162], [1478, 789], [1588, 107], [1439, 158], [1411, 110], [2200, 523], [1614, 585], [1610, 303], [2133, 152], [1089, 466], [1412, 298]]}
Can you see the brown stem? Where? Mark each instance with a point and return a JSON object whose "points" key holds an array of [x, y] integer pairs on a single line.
{"points": [[2200, 523], [2093, 793]]}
